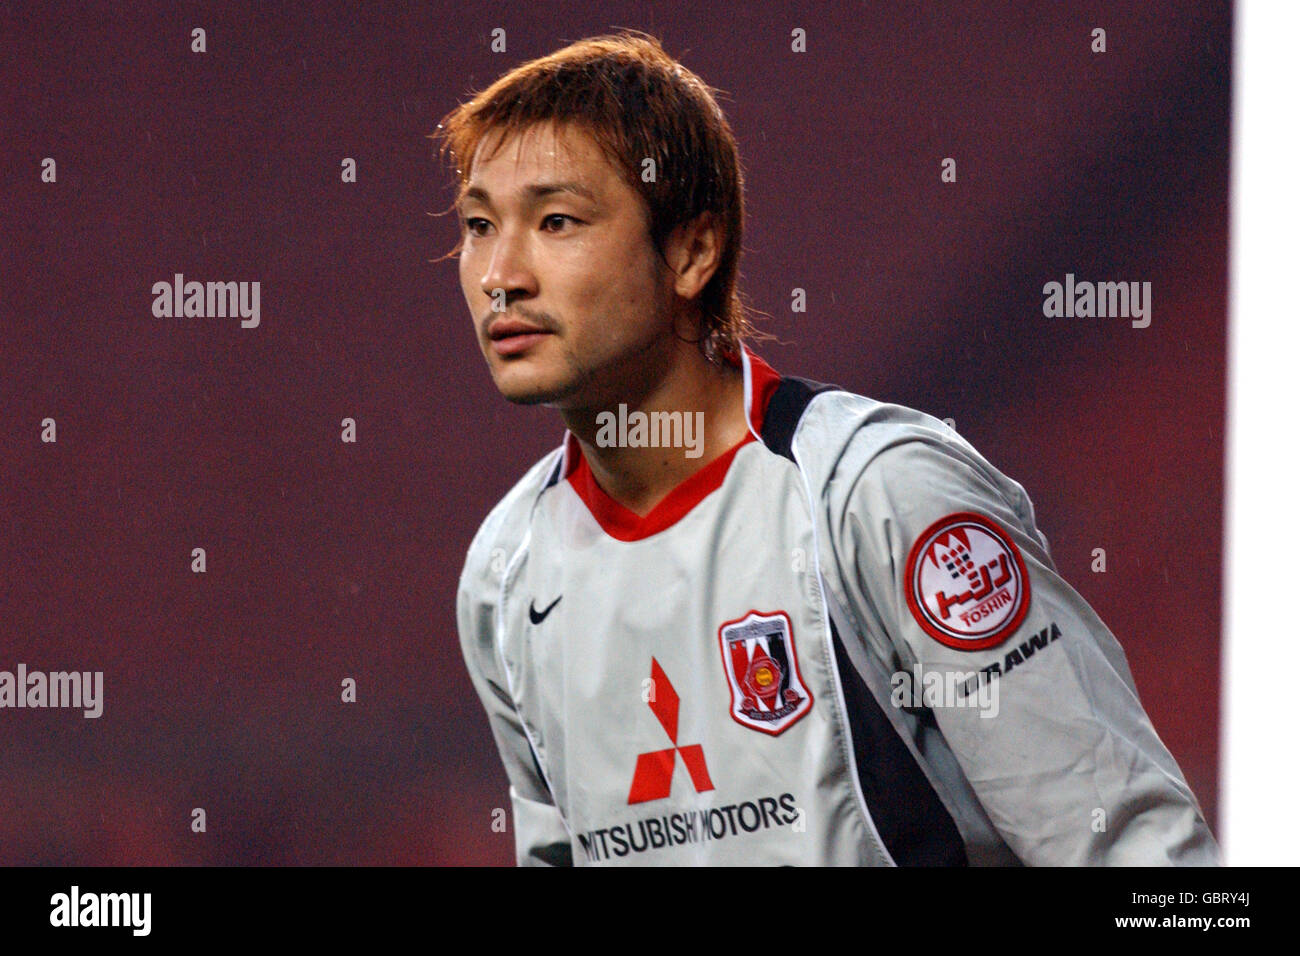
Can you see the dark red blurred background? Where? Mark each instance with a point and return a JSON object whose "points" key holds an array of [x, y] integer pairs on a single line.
{"points": [[328, 560]]}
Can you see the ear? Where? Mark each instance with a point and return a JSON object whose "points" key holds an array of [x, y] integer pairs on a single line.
{"points": [[693, 251]]}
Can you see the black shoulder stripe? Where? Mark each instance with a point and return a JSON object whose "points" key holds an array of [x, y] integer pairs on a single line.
{"points": [[785, 409], [555, 474]]}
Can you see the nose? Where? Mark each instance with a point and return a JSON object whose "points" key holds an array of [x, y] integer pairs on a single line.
{"points": [[509, 268]]}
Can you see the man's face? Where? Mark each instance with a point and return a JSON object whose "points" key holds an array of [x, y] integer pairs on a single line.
{"points": [[552, 225]]}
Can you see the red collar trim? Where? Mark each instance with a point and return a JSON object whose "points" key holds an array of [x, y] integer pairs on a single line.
{"points": [[624, 524]]}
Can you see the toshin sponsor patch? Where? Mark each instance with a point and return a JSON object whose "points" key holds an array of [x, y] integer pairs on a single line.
{"points": [[966, 582]]}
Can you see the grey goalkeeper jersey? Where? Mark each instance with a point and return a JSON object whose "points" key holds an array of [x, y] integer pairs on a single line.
{"points": [[843, 642]]}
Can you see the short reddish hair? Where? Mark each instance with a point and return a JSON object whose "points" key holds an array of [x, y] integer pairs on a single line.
{"points": [[636, 102]]}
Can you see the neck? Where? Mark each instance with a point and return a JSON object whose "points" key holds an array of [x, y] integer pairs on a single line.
{"points": [[639, 458]]}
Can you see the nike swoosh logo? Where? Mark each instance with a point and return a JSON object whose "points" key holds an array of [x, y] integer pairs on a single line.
{"points": [[539, 618]]}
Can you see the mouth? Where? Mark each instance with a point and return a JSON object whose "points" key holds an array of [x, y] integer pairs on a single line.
{"points": [[514, 337]]}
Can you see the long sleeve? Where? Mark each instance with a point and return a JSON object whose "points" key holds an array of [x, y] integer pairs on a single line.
{"points": [[541, 838], [940, 552]]}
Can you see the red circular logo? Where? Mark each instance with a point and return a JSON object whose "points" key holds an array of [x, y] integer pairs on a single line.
{"points": [[966, 582]]}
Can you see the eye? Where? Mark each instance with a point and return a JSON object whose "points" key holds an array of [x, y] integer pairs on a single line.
{"points": [[557, 215], [473, 224]]}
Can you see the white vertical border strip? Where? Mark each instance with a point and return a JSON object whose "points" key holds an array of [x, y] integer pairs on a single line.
{"points": [[846, 728], [1258, 777]]}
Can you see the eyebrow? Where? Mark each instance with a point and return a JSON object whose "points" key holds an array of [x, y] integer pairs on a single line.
{"points": [[534, 192]]}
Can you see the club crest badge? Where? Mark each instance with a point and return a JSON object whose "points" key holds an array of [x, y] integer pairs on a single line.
{"points": [[762, 668], [966, 582]]}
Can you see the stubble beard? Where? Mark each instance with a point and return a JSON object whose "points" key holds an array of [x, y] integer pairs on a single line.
{"points": [[587, 385], [573, 379]]}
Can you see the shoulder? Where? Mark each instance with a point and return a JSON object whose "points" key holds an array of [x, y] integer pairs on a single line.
{"points": [[504, 529], [896, 461], [840, 434], [837, 421]]}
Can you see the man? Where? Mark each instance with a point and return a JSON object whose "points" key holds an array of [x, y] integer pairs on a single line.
{"points": [[736, 617]]}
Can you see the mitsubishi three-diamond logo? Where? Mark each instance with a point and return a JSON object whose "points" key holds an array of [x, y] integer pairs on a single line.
{"points": [[653, 779]]}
